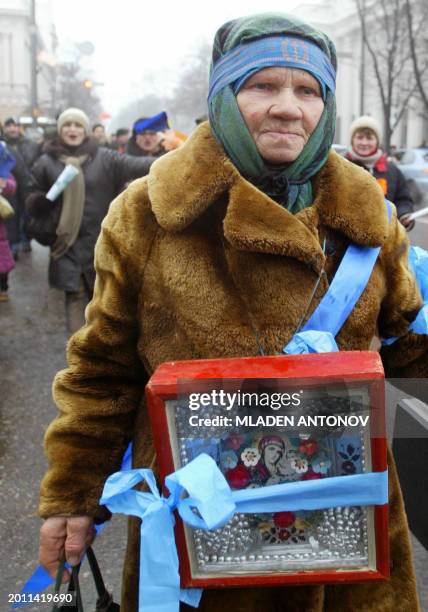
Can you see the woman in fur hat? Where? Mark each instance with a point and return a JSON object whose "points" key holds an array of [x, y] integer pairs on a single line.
{"points": [[216, 254], [71, 224]]}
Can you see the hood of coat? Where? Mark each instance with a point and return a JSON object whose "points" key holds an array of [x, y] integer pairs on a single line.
{"points": [[185, 182]]}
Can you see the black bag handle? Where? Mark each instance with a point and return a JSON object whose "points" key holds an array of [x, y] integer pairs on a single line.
{"points": [[105, 601]]}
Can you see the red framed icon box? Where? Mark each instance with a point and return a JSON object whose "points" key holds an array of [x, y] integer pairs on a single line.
{"points": [[267, 421]]}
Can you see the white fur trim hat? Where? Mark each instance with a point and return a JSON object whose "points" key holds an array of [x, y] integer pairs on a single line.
{"points": [[73, 114], [366, 122]]}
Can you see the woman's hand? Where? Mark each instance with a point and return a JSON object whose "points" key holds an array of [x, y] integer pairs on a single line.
{"points": [[409, 224], [171, 140], [73, 534]]}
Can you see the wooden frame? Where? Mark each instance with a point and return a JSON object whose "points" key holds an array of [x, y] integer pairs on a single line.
{"points": [[356, 368]]}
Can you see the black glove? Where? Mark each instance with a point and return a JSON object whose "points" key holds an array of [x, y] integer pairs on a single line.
{"points": [[42, 218], [37, 204]]}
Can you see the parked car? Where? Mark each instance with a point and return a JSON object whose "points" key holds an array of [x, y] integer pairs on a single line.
{"points": [[414, 165], [340, 149], [397, 154]]}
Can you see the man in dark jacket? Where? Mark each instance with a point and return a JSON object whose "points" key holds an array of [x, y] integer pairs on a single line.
{"points": [[29, 149], [77, 213], [121, 138], [365, 151], [26, 152], [146, 136]]}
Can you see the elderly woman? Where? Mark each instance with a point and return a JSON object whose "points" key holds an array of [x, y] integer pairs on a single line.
{"points": [[218, 253]]}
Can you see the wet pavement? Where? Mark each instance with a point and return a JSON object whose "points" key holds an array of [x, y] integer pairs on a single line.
{"points": [[32, 349]]}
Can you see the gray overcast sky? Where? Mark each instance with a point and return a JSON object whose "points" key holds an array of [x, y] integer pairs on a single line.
{"points": [[136, 38]]}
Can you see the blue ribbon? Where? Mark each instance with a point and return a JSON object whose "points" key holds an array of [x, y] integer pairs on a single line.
{"points": [[311, 341], [210, 494], [418, 262], [351, 278]]}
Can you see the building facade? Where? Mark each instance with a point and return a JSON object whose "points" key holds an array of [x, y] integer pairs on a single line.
{"points": [[15, 57], [357, 90]]}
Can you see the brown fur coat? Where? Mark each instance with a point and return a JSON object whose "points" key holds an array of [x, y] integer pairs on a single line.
{"points": [[192, 262]]}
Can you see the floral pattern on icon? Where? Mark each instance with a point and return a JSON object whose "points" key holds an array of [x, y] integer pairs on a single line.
{"points": [[250, 457], [321, 463], [299, 465], [228, 460], [257, 459], [349, 453]]}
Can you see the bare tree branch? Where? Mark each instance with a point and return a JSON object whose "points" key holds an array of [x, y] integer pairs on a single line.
{"points": [[403, 108], [388, 48], [412, 44]]}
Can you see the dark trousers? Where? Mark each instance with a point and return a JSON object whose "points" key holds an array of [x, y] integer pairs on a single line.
{"points": [[3, 282]]}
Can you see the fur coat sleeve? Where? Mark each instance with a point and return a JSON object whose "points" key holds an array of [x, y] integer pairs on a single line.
{"points": [[408, 356], [99, 392]]}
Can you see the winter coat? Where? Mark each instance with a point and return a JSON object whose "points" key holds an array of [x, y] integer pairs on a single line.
{"points": [[105, 173], [28, 149], [392, 183], [6, 260], [191, 261], [17, 200]]}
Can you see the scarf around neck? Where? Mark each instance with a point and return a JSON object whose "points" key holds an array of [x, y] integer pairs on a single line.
{"points": [[289, 184], [73, 203], [73, 197], [369, 161]]}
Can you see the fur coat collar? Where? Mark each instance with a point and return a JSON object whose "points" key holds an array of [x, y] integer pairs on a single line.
{"points": [[253, 221]]}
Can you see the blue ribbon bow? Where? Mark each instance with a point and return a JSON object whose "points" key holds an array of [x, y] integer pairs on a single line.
{"points": [[210, 494]]}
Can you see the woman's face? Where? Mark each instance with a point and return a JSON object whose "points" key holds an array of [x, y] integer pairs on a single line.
{"points": [[273, 453], [72, 134], [281, 107], [364, 143]]}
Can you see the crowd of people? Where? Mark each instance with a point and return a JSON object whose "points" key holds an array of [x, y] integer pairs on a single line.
{"points": [[105, 166]]}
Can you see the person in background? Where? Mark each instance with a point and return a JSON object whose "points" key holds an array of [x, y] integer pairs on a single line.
{"points": [[219, 253], [29, 149], [121, 138], [99, 133], [7, 190], [365, 151], [26, 151], [146, 136], [81, 207]]}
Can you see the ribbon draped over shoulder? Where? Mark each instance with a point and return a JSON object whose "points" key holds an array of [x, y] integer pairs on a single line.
{"points": [[418, 263], [351, 278]]}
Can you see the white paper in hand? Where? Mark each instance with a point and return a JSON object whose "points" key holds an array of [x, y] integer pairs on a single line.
{"points": [[66, 176], [418, 213]]}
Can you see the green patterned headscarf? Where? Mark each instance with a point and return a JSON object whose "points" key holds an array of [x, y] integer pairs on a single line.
{"points": [[290, 183]]}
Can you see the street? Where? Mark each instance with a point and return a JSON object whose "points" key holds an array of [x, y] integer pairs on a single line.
{"points": [[31, 351]]}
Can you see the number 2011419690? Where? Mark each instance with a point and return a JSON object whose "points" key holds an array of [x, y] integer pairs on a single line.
{"points": [[26, 598]]}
